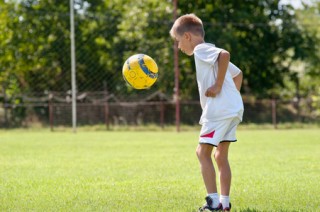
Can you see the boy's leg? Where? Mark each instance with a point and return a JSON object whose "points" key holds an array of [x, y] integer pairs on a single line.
{"points": [[211, 134], [204, 152], [221, 157]]}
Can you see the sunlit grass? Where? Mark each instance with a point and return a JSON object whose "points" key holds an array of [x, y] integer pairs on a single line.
{"points": [[153, 171]]}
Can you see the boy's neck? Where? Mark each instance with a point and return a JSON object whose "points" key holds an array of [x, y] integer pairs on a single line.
{"points": [[197, 41]]}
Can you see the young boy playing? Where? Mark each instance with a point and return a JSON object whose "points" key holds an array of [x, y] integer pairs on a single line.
{"points": [[219, 83]]}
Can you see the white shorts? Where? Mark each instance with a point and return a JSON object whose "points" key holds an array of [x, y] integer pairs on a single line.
{"points": [[219, 131]]}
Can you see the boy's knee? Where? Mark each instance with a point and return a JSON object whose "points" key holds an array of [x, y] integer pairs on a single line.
{"points": [[221, 153], [203, 152], [217, 156], [220, 158], [198, 151]]}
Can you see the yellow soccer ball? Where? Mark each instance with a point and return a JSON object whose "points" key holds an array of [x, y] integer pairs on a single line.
{"points": [[140, 71]]}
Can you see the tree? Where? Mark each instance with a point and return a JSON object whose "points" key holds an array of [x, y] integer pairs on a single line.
{"points": [[38, 45], [262, 37], [6, 50]]}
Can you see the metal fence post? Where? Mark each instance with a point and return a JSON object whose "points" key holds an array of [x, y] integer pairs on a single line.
{"points": [[176, 71], [73, 69], [274, 113]]}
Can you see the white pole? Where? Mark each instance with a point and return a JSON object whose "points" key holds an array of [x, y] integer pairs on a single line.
{"points": [[73, 70], [176, 71]]}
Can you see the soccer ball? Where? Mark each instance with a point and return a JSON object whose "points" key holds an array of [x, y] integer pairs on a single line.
{"points": [[140, 71]]}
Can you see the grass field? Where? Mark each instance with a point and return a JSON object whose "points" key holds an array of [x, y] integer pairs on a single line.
{"points": [[154, 171]]}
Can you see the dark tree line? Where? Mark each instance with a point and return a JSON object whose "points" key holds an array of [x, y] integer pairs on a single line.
{"points": [[266, 40]]}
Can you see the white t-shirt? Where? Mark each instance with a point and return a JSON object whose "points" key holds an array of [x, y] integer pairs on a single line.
{"points": [[228, 103]]}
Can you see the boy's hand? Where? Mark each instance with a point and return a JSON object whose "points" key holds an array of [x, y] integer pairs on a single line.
{"points": [[213, 91], [223, 61]]}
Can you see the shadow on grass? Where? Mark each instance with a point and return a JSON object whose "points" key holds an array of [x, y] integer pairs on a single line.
{"points": [[255, 210], [248, 210], [242, 210]]}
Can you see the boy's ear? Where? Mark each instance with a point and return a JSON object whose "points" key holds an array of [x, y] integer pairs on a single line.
{"points": [[187, 36]]}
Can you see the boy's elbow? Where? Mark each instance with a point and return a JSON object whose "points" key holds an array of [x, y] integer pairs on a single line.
{"points": [[225, 54], [239, 76], [238, 80]]}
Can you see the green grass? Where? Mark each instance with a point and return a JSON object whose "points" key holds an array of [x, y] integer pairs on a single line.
{"points": [[154, 171]]}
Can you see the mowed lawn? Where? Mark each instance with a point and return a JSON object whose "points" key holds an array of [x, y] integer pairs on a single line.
{"points": [[273, 170]]}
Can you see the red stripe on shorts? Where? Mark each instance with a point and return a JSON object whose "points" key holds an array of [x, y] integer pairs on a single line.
{"points": [[209, 135]]}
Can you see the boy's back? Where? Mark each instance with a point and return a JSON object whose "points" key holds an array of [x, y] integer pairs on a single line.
{"points": [[228, 103]]}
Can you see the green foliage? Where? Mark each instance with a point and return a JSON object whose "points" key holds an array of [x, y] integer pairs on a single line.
{"points": [[263, 37], [6, 53], [35, 47], [309, 21], [120, 37], [265, 40]]}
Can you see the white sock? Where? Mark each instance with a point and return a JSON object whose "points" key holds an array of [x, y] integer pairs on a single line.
{"points": [[225, 200], [215, 199]]}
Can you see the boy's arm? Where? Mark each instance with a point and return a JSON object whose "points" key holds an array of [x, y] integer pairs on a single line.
{"points": [[223, 62], [238, 80]]}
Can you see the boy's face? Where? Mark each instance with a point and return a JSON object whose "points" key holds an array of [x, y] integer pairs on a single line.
{"points": [[184, 43]]}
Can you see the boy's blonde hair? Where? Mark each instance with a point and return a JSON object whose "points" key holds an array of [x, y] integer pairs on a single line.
{"points": [[187, 23]]}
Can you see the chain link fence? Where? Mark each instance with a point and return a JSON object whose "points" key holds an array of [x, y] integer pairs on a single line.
{"points": [[35, 76], [99, 108]]}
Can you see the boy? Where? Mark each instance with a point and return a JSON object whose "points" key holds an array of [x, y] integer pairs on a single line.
{"points": [[219, 83]]}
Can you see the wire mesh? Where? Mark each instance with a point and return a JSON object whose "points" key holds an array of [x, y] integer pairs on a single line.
{"points": [[35, 70]]}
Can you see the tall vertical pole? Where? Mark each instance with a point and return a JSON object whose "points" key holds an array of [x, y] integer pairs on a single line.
{"points": [[274, 112], [176, 71], [6, 123], [73, 70]]}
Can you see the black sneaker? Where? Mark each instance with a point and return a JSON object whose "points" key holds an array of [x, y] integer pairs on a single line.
{"points": [[227, 208], [207, 206]]}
